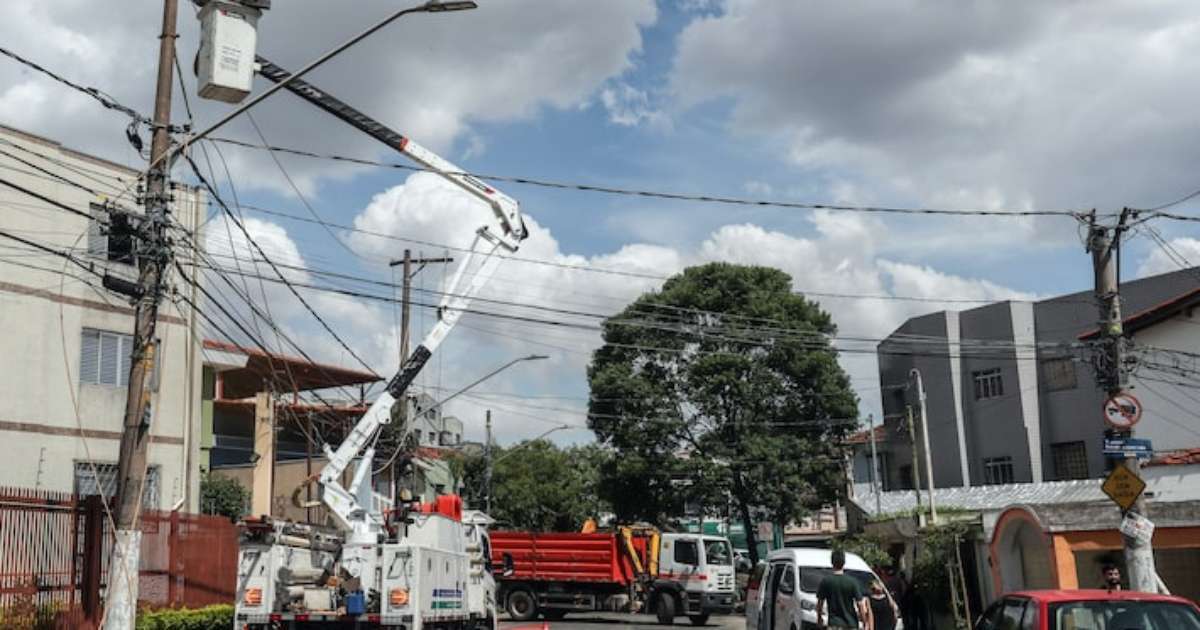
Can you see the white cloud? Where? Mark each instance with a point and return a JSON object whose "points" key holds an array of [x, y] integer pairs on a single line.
{"points": [[629, 107], [1185, 252], [979, 105]]}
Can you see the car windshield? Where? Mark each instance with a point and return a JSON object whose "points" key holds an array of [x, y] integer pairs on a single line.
{"points": [[810, 578], [717, 552], [1122, 615]]}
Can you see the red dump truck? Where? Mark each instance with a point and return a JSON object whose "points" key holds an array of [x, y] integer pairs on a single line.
{"points": [[671, 574]]}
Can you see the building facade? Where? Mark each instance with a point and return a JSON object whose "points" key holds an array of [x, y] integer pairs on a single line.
{"points": [[66, 340], [1010, 391]]}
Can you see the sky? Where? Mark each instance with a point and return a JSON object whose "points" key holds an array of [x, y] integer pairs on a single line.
{"points": [[965, 105]]}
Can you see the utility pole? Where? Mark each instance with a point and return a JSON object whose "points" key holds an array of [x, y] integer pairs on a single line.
{"points": [[925, 439], [405, 303], [153, 254], [487, 458], [876, 482], [915, 467], [1111, 375]]}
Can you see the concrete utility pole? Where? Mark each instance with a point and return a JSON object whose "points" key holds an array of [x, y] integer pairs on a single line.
{"points": [[876, 482], [152, 257], [915, 467], [915, 373], [1139, 556], [487, 458]]}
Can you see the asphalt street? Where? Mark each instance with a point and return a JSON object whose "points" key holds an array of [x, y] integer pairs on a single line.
{"points": [[602, 621]]}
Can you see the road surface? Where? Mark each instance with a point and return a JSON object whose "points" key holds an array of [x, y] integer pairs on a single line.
{"points": [[614, 621]]}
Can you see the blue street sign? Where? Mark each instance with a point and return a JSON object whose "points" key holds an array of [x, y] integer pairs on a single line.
{"points": [[1127, 447]]}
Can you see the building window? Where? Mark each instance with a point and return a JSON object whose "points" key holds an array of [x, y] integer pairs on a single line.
{"points": [[988, 384], [1059, 374], [997, 470], [1070, 460], [110, 235], [104, 359], [100, 478]]}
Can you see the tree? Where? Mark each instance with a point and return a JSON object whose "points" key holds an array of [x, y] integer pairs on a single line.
{"points": [[536, 485], [722, 390], [224, 496]]}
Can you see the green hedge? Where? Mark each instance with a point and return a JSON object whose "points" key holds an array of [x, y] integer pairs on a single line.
{"points": [[218, 617]]}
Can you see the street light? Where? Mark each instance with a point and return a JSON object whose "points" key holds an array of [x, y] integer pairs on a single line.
{"points": [[532, 357], [531, 441], [916, 374]]}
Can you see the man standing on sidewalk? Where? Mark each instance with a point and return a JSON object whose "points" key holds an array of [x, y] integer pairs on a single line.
{"points": [[842, 597]]}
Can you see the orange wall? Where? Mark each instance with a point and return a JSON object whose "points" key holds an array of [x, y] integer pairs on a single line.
{"points": [[1065, 545]]}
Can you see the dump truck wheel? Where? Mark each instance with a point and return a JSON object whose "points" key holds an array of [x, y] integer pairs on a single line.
{"points": [[699, 620], [522, 606]]}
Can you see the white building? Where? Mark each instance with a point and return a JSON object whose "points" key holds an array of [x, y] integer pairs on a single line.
{"points": [[429, 426], [65, 340]]}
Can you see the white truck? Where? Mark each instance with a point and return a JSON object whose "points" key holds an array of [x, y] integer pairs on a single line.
{"points": [[409, 566]]}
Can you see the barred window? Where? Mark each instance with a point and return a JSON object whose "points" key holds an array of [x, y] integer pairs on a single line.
{"points": [[101, 478], [1070, 460], [1059, 374], [988, 384], [998, 470]]}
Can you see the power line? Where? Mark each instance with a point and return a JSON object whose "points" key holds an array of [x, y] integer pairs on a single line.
{"points": [[45, 199], [102, 98], [283, 279], [610, 271], [666, 195]]}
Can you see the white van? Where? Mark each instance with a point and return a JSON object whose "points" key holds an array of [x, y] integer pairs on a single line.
{"points": [[782, 593]]}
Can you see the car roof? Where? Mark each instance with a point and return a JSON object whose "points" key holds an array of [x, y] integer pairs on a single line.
{"points": [[1093, 595], [815, 557]]}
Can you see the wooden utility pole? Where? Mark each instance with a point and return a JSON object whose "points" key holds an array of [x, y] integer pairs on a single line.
{"points": [[405, 305], [1111, 375], [152, 256]]}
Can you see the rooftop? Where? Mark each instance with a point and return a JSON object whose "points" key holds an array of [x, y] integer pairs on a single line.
{"points": [[244, 370]]}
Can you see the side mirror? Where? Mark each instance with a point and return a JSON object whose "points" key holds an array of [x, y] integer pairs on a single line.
{"points": [[508, 565]]}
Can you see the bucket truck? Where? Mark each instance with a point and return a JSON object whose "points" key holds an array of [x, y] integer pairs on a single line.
{"points": [[410, 566]]}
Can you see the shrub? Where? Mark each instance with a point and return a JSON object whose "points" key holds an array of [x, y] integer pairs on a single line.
{"points": [[219, 617]]}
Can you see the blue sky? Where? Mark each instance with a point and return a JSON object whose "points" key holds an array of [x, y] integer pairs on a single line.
{"points": [[974, 105]]}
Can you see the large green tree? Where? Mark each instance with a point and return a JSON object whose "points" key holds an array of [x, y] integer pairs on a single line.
{"points": [[537, 485], [721, 390]]}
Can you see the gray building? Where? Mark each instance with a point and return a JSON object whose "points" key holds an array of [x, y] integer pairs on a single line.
{"points": [[1010, 394]]}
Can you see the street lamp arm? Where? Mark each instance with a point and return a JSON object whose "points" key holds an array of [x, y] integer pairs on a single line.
{"points": [[532, 357]]}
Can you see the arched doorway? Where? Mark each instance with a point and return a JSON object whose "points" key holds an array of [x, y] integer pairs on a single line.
{"points": [[1022, 557]]}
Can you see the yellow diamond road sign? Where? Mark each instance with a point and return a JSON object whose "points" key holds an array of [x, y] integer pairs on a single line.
{"points": [[1123, 487]]}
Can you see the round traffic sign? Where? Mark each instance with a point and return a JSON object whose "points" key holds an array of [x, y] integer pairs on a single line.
{"points": [[1122, 411]]}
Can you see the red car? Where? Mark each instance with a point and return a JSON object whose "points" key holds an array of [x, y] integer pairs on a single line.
{"points": [[1090, 610]]}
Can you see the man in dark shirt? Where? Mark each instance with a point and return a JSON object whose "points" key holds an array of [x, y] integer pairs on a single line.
{"points": [[842, 596]]}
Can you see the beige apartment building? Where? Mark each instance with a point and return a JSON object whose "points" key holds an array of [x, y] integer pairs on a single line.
{"points": [[65, 340]]}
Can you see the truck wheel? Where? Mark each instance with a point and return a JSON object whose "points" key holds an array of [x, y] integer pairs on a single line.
{"points": [[522, 606], [666, 609], [699, 620]]}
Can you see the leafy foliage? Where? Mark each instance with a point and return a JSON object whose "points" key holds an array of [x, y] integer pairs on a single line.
{"points": [[219, 617], [224, 496], [536, 485], [721, 388], [936, 552], [869, 548]]}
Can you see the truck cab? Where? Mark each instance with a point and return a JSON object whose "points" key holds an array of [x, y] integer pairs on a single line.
{"points": [[696, 578]]}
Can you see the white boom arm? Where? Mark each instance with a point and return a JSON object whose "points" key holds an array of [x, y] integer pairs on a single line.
{"points": [[353, 508]]}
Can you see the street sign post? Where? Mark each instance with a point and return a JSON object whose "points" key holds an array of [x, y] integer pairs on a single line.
{"points": [[1122, 448], [1123, 487], [1122, 411]]}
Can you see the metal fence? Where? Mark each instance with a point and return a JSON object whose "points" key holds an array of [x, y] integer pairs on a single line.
{"points": [[54, 550]]}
